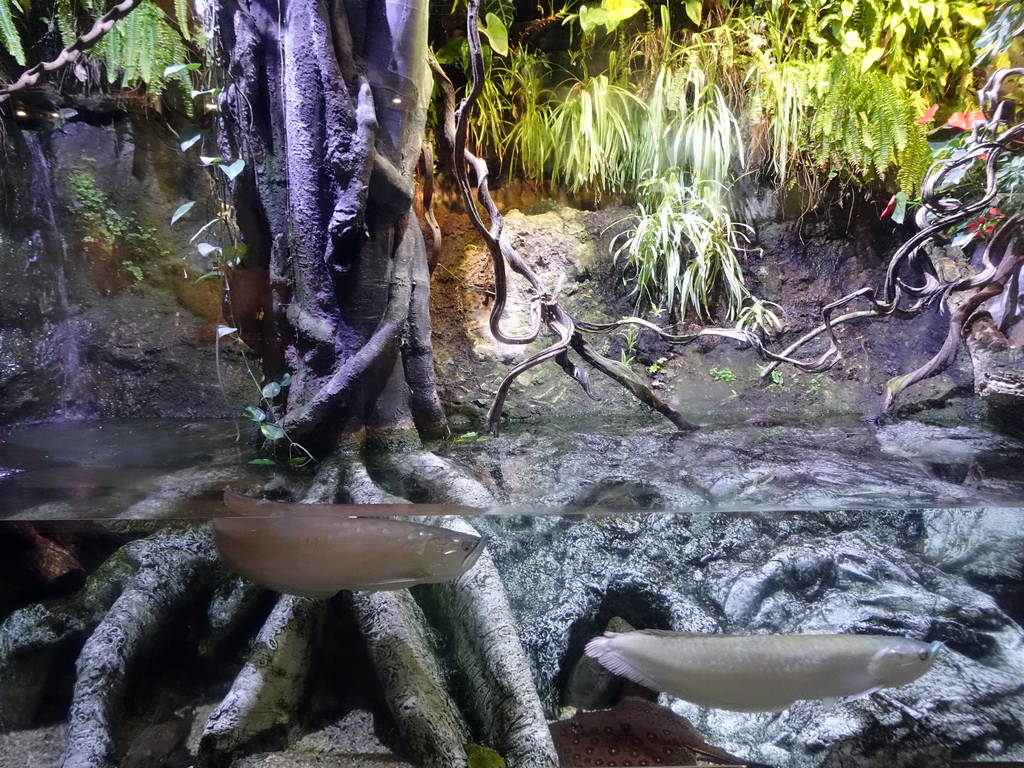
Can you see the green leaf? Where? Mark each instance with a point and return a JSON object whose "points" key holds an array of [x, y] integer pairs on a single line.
{"points": [[497, 34], [693, 10], [210, 160], [870, 58], [210, 275], [175, 68], [972, 14], [9, 33], [182, 210], [231, 170], [590, 18], [262, 462], [181, 10], [271, 431], [189, 135], [205, 249], [255, 413], [899, 213], [851, 39], [299, 461], [927, 10], [273, 389], [286, 380], [455, 51]]}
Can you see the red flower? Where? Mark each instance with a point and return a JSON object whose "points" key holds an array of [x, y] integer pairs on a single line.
{"points": [[889, 208], [966, 121], [929, 115]]}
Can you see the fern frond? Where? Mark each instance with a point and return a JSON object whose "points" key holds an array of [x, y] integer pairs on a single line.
{"points": [[65, 22], [183, 12], [9, 33]]}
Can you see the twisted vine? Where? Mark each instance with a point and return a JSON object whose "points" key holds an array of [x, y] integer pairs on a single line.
{"points": [[82, 43], [544, 307], [911, 282]]}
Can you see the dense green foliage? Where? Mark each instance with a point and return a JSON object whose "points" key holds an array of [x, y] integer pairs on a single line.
{"points": [[672, 104], [675, 104]]}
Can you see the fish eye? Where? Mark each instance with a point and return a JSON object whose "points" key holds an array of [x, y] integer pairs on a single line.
{"points": [[923, 655]]}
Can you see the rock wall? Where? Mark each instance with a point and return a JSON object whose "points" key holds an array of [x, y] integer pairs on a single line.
{"points": [[101, 313], [800, 265]]}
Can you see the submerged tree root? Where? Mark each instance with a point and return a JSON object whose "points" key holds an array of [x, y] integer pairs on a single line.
{"points": [[447, 656], [412, 677], [486, 662], [169, 567], [34, 640], [489, 665], [266, 694]]}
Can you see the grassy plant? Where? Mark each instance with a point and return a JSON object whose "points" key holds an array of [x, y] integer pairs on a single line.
{"points": [[530, 138], [683, 248], [593, 126], [758, 314], [724, 375]]}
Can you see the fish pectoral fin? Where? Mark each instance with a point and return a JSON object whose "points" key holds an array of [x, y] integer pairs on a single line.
{"points": [[863, 694]]}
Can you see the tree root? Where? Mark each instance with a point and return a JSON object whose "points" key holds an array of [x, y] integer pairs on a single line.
{"points": [[266, 694], [169, 566], [447, 656], [34, 640], [489, 665], [411, 675]]}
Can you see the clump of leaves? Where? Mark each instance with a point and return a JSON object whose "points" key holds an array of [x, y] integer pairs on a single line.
{"points": [[683, 247]]}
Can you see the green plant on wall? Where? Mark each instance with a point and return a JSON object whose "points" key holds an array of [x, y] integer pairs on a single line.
{"points": [[919, 45], [109, 228], [683, 247], [866, 122]]}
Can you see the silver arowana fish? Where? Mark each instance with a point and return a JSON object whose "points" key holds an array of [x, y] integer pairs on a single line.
{"points": [[762, 673], [320, 556]]}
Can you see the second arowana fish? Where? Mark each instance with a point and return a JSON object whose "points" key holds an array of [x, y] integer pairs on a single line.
{"points": [[320, 556], [762, 673]]}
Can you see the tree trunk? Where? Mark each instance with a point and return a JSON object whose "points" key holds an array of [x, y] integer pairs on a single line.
{"points": [[326, 104]]}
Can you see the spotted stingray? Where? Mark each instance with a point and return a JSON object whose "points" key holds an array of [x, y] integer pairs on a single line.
{"points": [[635, 732]]}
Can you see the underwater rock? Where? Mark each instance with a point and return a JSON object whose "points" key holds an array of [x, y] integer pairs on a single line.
{"points": [[634, 732], [161, 745], [854, 466], [750, 573]]}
